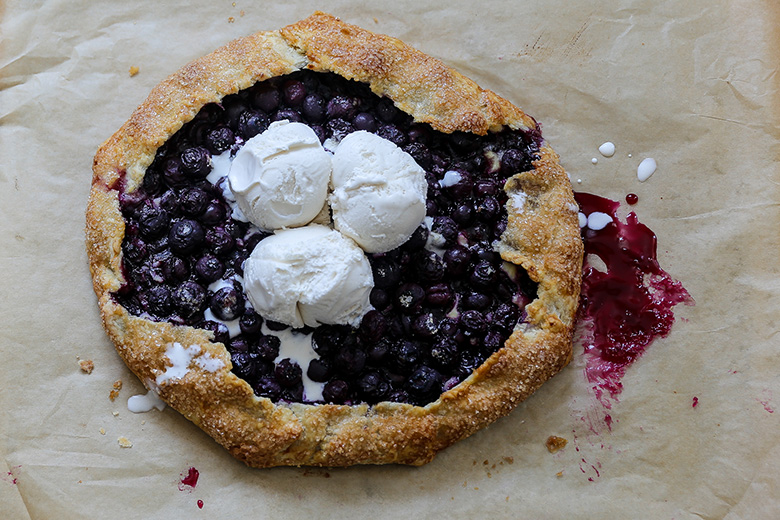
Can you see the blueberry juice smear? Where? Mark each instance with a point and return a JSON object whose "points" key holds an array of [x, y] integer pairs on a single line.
{"points": [[625, 308], [443, 302]]}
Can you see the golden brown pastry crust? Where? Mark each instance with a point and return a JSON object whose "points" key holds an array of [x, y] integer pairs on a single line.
{"points": [[542, 237]]}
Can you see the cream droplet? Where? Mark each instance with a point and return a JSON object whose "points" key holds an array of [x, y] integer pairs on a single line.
{"points": [[594, 161], [607, 149], [646, 169]]}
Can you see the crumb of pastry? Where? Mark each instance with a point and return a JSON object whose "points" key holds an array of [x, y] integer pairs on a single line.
{"points": [[87, 366], [115, 392], [231, 19], [102, 431], [559, 474], [375, 20], [509, 460], [555, 443], [133, 71], [124, 442], [116, 414], [241, 14]]}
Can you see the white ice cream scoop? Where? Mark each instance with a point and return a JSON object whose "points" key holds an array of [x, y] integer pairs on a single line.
{"points": [[378, 196], [280, 177], [309, 275]]}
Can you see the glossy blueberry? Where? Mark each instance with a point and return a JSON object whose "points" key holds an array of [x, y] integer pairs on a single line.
{"points": [[193, 201], [251, 123], [349, 361], [379, 298], [214, 213], [174, 173], [158, 300], [339, 128], [268, 347], [267, 387], [425, 325], [287, 114], [405, 354], [294, 92], [134, 249], [372, 386], [420, 153], [447, 228], [473, 322], [227, 304], [418, 239], [372, 326], [209, 268], [463, 214], [409, 296], [219, 139], [493, 341], [219, 241], [365, 121], [377, 352], [478, 301], [514, 161], [430, 266], [439, 295], [250, 323], [288, 373], [485, 188], [505, 316], [328, 339], [220, 330], [196, 162], [423, 381], [185, 236], [313, 108], [342, 107], [392, 134], [387, 273], [444, 352], [387, 111], [175, 269], [336, 391], [483, 274], [189, 298], [319, 370], [489, 209]]}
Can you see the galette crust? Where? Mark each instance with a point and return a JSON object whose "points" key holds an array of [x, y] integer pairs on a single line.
{"points": [[542, 237]]}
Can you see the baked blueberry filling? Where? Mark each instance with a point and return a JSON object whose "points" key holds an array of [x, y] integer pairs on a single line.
{"points": [[443, 302]]}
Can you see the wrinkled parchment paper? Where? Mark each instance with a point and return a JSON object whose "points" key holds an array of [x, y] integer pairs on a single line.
{"points": [[692, 84]]}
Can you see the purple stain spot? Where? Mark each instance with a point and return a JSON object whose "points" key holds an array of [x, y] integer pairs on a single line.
{"points": [[190, 480], [626, 308], [695, 402]]}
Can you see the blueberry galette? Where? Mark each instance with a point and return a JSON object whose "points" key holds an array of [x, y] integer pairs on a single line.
{"points": [[324, 247]]}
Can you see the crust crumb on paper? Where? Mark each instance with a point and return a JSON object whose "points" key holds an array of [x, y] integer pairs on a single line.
{"points": [[86, 366], [133, 71], [124, 442], [115, 392], [555, 443]]}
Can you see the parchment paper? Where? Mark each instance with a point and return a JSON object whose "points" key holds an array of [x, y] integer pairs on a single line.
{"points": [[692, 84]]}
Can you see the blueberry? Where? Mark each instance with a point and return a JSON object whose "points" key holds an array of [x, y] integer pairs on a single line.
{"points": [[214, 213], [430, 266], [158, 300], [505, 316], [478, 301], [319, 370], [196, 162], [152, 183], [209, 268], [409, 296], [463, 142], [493, 341], [266, 98], [379, 299], [364, 121], [463, 214], [327, 339], [227, 304], [189, 298], [444, 352], [313, 108], [424, 381], [175, 269], [448, 327], [392, 134], [336, 391], [386, 110], [238, 344], [447, 228], [294, 92], [169, 202], [372, 386], [418, 239], [185, 236], [377, 351], [339, 128], [219, 139], [514, 161], [342, 107], [288, 373], [473, 322], [268, 347], [387, 274], [419, 133], [488, 210], [134, 249], [483, 274], [267, 387], [463, 188], [220, 330], [288, 114], [276, 325], [349, 361], [251, 123], [243, 365], [420, 153], [398, 396], [439, 295], [425, 325], [319, 131], [219, 241], [485, 188], [250, 323], [372, 326], [193, 201], [174, 173], [499, 228], [405, 354]]}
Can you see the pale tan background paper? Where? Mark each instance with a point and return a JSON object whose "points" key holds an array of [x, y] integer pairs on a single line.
{"points": [[692, 84]]}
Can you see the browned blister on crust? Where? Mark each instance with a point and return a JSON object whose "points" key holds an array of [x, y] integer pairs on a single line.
{"points": [[542, 237]]}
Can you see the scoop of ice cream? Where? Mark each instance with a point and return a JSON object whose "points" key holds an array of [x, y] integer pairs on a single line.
{"points": [[280, 177], [378, 197], [309, 275]]}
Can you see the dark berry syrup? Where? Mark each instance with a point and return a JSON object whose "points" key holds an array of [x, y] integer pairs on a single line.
{"points": [[625, 308]]}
